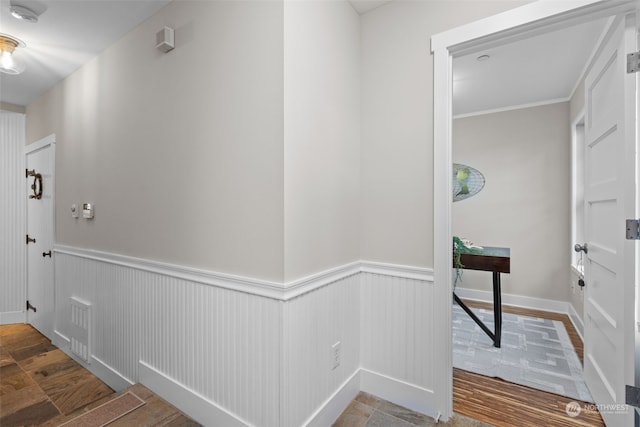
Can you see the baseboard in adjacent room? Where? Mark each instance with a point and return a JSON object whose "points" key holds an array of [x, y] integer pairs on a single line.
{"points": [[515, 300], [577, 321]]}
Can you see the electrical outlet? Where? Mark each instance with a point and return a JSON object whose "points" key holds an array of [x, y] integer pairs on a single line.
{"points": [[336, 355]]}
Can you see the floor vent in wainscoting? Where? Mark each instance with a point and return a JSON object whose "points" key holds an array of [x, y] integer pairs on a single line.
{"points": [[80, 327]]}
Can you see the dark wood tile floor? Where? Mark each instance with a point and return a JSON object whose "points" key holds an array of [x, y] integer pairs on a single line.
{"points": [[41, 385]]}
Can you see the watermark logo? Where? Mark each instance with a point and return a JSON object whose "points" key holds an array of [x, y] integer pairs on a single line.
{"points": [[573, 409]]}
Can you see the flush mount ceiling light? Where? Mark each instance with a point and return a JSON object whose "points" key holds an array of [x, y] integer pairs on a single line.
{"points": [[8, 63], [482, 58], [23, 13]]}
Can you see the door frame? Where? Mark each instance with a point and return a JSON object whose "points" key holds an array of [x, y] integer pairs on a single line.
{"points": [[49, 140], [531, 19]]}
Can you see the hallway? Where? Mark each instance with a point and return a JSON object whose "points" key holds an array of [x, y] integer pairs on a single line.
{"points": [[41, 385]]}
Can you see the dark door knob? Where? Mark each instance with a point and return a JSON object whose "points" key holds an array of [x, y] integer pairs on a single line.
{"points": [[44, 254], [580, 248]]}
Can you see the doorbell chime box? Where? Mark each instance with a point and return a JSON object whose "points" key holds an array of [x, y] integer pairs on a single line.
{"points": [[165, 40]]}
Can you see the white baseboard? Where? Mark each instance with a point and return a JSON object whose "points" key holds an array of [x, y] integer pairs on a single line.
{"points": [[61, 341], [515, 300], [399, 392], [188, 401], [577, 321], [106, 373], [9, 317], [331, 409]]}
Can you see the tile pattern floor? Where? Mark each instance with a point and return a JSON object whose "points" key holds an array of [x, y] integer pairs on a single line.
{"points": [[41, 385], [367, 410]]}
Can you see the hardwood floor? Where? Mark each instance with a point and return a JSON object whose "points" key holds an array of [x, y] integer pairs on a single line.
{"points": [[41, 385], [498, 402]]}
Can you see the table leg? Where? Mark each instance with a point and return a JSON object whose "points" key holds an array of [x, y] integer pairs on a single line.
{"points": [[475, 318], [497, 309]]}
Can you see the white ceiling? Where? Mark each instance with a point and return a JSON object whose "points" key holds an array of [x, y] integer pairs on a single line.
{"points": [[364, 6], [69, 33], [530, 71]]}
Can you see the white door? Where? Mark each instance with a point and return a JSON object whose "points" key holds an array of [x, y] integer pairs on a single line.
{"points": [[40, 280], [610, 198]]}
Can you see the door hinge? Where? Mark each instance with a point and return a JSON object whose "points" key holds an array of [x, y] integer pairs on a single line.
{"points": [[30, 307], [633, 229], [633, 62], [632, 396]]}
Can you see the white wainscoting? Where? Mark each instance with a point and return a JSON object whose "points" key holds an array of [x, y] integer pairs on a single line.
{"points": [[216, 349], [13, 200], [397, 339], [221, 344], [313, 322]]}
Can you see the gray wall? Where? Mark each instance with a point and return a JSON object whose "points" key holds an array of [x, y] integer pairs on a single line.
{"points": [[181, 153], [525, 205], [321, 137], [397, 124], [276, 147]]}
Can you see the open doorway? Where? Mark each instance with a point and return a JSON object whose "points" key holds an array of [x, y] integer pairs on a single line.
{"points": [[446, 135]]}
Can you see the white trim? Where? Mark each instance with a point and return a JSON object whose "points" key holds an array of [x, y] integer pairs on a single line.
{"points": [[189, 401], [100, 369], [41, 143], [578, 324], [524, 21], [306, 284], [589, 63], [442, 234], [518, 23], [331, 409], [106, 373], [579, 119], [9, 317], [575, 270], [522, 301], [47, 141], [512, 107], [228, 281], [249, 285], [399, 392], [60, 340], [396, 270]]}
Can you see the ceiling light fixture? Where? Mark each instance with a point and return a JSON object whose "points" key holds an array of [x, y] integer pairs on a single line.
{"points": [[482, 58], [23, 13], [8, 63]]}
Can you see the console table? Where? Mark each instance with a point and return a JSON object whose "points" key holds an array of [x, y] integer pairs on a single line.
{"points": [[495, 260]]}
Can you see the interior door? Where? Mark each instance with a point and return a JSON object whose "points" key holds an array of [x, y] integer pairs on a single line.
{"points": [[40, 280], [610, 198]]}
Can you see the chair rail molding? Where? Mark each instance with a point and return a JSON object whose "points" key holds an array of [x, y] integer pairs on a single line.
{"points": [[254, 286]]}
